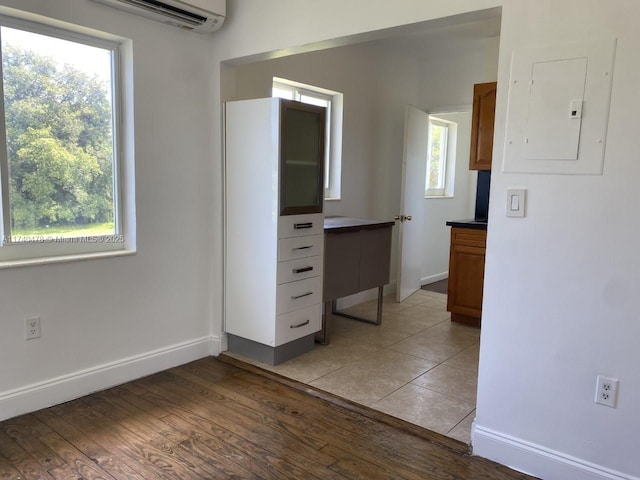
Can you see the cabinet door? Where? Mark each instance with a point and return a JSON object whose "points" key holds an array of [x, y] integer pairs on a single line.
{"points": [[466, 271], [466, 279], [341, 264], [375, 258], [484, 107], [302, 142]]}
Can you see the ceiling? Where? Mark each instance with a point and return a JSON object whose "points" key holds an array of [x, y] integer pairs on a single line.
{"points": [[415, 39], [423, 42]]}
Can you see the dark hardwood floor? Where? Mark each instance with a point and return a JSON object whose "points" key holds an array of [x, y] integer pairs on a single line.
{"points": [[213, 420]]}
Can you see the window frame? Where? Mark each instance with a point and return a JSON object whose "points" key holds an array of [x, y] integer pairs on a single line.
{"points": [[448, 159], [444, 152], [45, 249], [333, 135]]}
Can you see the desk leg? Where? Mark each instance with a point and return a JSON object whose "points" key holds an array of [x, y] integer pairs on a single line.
{"points": [[379, 312], [378, 319], [322, 337]]}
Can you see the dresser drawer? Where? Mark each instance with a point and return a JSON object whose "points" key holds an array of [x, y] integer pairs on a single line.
{"points": [[300, 225], [299, 269], [299, 247], [295, 295], [298, 324]]}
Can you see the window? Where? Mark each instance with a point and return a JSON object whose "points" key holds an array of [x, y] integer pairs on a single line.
{"points": [[59, 165], [332, 101], [440, 158]]}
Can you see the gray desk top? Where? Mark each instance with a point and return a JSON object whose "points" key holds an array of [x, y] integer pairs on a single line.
{"points": [[341, 224]]}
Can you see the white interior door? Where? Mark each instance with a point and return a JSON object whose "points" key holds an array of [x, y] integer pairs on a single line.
{"points": [[411, 217]]}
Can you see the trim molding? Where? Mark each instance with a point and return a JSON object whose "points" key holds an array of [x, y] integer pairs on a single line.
{"points": [[365, 295], [61, 389], [434, 278], [537, 460]]}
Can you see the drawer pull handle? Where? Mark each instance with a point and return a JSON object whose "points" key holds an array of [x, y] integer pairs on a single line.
{"points": [[300, 226], [302, 270], [299, 325], [303, 248], [296, 297]]}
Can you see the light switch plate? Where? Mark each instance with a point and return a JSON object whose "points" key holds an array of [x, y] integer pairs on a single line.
{"points": [[516, 202]]}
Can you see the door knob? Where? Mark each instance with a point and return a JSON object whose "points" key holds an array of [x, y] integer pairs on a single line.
{"points": [[402, 218]]}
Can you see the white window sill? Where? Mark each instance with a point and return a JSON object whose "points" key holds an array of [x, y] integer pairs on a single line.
{"points": [[438, 196], [63, 258], [332, 199]]}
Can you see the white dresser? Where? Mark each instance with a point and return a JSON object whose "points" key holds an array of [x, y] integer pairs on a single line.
{"points": [[273, 262]]}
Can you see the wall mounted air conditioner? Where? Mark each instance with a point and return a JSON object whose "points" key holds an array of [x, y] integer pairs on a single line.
{"points": [[198, 15]]}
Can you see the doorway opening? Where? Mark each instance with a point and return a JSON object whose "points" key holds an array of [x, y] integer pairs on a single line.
{"points": [[417, 365]]}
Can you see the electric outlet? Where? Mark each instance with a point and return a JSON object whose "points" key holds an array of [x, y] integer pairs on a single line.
{"points": [[32, 328], [606, 391]]}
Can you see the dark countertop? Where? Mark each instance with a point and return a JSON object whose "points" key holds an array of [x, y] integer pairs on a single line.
{"points": [[345, 224], [474, 224]]}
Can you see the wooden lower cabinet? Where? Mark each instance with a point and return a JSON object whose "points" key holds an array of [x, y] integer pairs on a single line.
{"points": [[466, 275]]}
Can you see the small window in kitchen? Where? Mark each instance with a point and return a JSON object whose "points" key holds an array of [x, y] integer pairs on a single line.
{"points": [[332, 101], [440, 158]]}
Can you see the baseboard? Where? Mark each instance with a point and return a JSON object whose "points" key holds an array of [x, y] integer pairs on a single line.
{"points": [[83, 382], [389, 289], [367, 295], [434, 278], [536, 460]]}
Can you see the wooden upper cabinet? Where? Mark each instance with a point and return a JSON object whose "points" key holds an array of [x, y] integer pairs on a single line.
{"points": [[484, 108]]}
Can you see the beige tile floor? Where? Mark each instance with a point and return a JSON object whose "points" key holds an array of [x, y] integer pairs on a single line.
{"points": [[417, 365]]}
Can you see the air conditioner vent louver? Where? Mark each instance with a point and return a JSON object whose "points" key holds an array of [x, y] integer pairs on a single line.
{"points": [[167, 10], [197, 15]]}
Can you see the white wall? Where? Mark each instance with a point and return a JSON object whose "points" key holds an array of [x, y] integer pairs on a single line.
{"points": [[560, 303], [561, 284], [108, 320]]}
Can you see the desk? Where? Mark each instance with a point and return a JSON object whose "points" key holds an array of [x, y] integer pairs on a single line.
{"points": [[357, 257]]}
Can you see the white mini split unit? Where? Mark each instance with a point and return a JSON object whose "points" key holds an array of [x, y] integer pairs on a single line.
{"points": [[201, 16]]}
